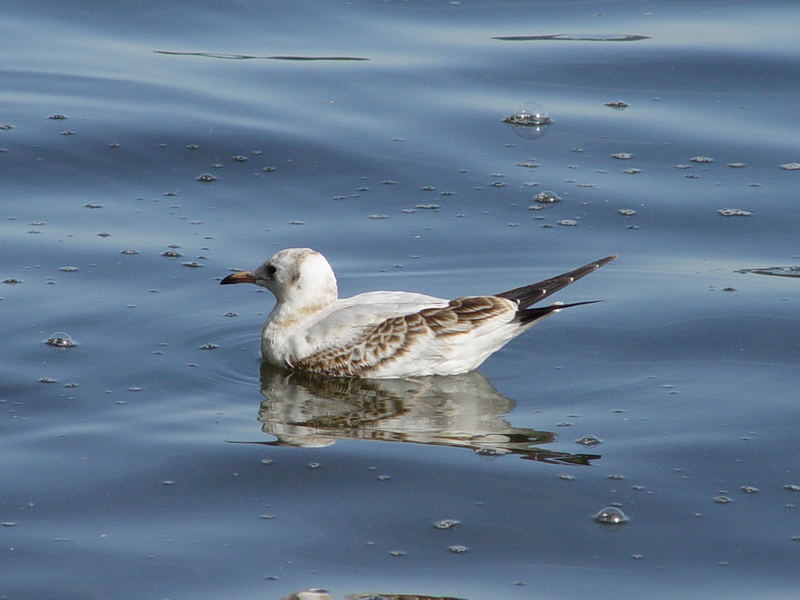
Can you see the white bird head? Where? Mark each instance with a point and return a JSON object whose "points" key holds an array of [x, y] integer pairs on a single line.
{"points": [[300, 277]]}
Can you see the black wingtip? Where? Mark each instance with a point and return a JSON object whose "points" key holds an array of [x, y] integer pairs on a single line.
{"points": [[606, 260], [529, 294]]}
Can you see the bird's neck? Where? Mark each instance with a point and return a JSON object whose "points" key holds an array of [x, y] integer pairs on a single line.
{"points": [[293, 311]]}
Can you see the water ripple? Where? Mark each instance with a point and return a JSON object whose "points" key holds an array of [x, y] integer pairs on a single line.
{"points": [[248, 56]]}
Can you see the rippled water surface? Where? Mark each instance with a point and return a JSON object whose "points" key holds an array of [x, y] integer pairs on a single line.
{"points": [[156, 458]]}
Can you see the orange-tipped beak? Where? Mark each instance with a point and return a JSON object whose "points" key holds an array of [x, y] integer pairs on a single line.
{"points": [[239, 277]]}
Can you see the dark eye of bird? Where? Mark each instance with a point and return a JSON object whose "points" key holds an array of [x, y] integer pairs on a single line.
{"points": [[271, 270]]}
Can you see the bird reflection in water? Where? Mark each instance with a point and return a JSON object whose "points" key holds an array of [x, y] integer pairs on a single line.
{"points": [[464, 411], [321, 594]]}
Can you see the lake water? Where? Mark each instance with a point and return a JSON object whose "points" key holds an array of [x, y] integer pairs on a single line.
{"points": [[157, 459]]}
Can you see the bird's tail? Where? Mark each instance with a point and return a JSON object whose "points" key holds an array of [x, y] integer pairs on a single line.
{"points": [[527, 316]]}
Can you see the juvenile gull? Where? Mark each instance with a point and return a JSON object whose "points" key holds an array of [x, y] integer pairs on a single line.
{"points": [[385, 334]]}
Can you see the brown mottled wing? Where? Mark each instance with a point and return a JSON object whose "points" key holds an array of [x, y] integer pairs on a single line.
{"points": [[529, 294], [394, 338]]}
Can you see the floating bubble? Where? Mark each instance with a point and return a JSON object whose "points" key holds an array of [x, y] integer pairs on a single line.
{"points": [[491, 452], [547, 197], [457, 548], [611, 515], [530, 121], [447, 524], [793, 166], [734, 212], [702, 159], [722, 500], [589, 440], [60, 339], [206, 178]]}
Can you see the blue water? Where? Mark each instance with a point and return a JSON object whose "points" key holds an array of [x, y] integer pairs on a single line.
{"points": [[122, 475]]}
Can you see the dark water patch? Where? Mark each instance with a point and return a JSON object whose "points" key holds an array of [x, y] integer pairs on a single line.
{"points": [[567, 37], [248, 56], [789, 271]]}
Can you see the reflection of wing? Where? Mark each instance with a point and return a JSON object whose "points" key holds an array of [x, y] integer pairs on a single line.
{"points": [[396, 597], [307, 409], [320, 594]]}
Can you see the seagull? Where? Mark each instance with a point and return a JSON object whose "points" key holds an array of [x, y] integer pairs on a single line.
{"points": [[387, 334]]}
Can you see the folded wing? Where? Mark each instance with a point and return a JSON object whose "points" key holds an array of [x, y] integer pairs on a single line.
{"points": [[424, 335]]}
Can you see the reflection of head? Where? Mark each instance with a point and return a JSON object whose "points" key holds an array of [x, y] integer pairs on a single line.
{"points": [[302, 441], [309, 410], [310, 594]]}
